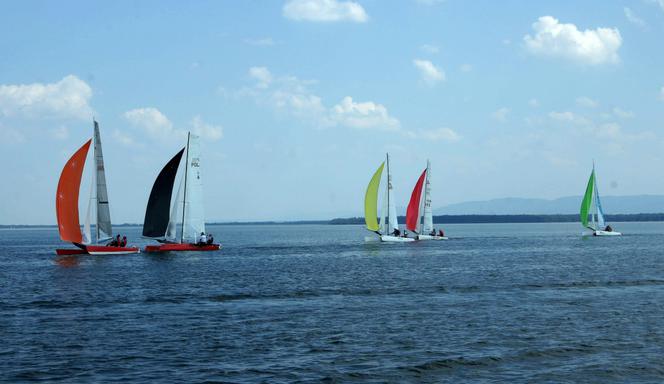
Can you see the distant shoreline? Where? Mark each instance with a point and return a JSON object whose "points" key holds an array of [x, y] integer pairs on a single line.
{"points": [[438, 219]]}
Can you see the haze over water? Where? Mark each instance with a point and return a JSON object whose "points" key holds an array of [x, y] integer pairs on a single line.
{"points": [[524, 303]]}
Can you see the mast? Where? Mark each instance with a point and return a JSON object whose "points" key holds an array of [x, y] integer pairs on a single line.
{"points": [[184, 199], [94, 172], [389, 186]]}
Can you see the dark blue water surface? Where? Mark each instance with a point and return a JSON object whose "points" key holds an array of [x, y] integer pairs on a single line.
{"points": [[519, 303]]}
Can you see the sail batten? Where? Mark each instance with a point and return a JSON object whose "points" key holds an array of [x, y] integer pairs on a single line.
{"points": [[66, 198], [157, 213]]}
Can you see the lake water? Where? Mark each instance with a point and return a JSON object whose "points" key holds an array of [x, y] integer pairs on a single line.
{"points": [[497, 302]]}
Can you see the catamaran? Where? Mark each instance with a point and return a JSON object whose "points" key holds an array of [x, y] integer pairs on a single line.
{"points": [[419, 217], [388, 229], [161, 219], [592, 205], [66, 205]]}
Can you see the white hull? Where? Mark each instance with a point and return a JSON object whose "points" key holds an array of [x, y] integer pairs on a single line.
{"points": [[602, 233], [429, 237], [395, 239]]}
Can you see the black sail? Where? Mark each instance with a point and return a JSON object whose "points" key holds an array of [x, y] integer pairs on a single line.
{"points": [[159, 206]]}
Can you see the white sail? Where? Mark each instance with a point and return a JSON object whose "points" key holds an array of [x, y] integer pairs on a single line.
{"points": [[383, 225], [104, 229], [193, 218], [427, 226], [598, 207], [392, 209], [171, 230]]}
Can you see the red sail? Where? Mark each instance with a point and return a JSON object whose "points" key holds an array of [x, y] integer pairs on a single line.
{"points": [[413, 212], [66, 198]]}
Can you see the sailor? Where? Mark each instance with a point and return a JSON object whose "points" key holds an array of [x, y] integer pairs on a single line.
{"points": [[397, 232], [124, 241], [210, 239], [608, 228], [441, 233], [433, 232], [203, 239]]}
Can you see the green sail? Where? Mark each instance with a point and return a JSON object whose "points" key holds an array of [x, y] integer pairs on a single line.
{"points": [[587, 199], [371, 201]]}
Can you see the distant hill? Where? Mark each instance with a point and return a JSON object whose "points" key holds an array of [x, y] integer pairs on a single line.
{"points": [[563, 205]]}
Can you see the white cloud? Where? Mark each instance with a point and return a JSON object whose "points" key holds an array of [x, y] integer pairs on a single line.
{"points": [[123, 138], [430, 74], [533, 103], [569, 117], [430, 48], [591, 46], [206, 131], [657, 2], [262, 75], [363, 115], [439, 134], [151, 120], [633, 18], [586, 102], [623, 113], [66, 99], [324, 11], [60, 133], [501, 114], [466, 67], [261, 42]]}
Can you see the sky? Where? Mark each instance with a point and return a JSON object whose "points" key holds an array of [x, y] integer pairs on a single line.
{"points": [[297, 101]]}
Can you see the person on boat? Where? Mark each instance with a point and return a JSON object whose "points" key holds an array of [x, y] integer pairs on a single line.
{"points": [[123, 243], [433, 232], [405, 233], [608, 228], [203, 239], [396, 232], [441, 233], [210, 239], [115, 242]]}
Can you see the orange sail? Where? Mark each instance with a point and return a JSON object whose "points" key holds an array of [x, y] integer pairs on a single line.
{"points": [[66, 198]]}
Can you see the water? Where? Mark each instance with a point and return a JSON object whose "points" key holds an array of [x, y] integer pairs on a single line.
{"points": [[524, 303]]}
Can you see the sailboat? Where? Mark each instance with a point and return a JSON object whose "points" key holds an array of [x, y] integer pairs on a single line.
{"points": [[66, 205], [388, 227], [162, 217], [419, 217], [593, 206]]}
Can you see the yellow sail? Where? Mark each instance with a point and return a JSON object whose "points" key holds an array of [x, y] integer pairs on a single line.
{"points": [[371, 201]]}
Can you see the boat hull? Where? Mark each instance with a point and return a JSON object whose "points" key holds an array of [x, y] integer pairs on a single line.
{"points": [[429, 237], [395, 239], [70, 251], [603, 233], [97, 250], [108, 250], [176, 247]]}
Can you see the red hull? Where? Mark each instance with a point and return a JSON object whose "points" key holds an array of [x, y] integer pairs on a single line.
{"points": [[181, 248], [70, 251], [97, 250]]}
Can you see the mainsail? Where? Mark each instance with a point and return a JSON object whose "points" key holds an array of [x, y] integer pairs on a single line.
{"points": [[193, 217], [66, 198], [427, 220], [159, 204], [371, 200], [104, 229], [391, 205]]}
